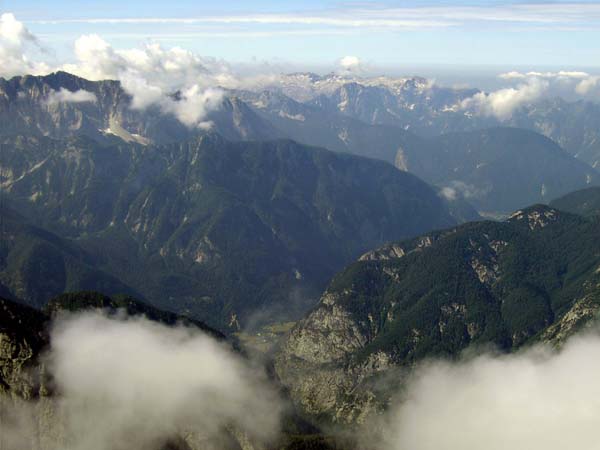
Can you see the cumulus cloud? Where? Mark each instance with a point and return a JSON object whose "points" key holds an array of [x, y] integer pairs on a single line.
{"points": [[535, 400], [132, 383], [503, 102], [65, 96], [176, 80], [15, 38]]}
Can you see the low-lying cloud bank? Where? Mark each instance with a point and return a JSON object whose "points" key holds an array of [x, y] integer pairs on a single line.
{"points": [[534, 400], [503, 102], [135, 384], [130, 383], [530, 88]]}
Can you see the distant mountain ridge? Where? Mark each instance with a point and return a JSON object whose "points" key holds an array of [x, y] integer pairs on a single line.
{"points": [[415, 104]]}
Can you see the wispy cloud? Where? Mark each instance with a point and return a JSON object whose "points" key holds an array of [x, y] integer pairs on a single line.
{"points": [[572, 15]]}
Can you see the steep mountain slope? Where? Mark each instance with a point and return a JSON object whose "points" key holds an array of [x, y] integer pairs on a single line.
{"points": [[585, 202], [226, 231], [533, 277], [499, 169], [37, 265]]}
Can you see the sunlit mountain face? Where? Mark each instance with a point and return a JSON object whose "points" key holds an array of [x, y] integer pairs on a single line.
{"points": [[324, 225]]}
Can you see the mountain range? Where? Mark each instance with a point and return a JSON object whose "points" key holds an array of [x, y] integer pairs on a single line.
{"points": [[349, 208]]}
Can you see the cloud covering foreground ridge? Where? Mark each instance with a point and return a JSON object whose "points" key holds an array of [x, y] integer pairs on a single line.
{"points": [[131, 383], [534, 400], [135, 384]]}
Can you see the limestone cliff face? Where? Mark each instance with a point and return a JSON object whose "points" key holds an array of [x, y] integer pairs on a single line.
{"points": [[478, 285], [317, 366]]}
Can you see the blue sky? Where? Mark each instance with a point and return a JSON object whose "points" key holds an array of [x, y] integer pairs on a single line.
{"points": [[396, 35]]}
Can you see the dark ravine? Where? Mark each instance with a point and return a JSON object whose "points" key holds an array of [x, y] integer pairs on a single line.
{"points": [[506, 284]]}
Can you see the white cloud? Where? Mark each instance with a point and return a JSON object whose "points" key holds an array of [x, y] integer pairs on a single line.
{"points": [[449, 193], [65, 96], [564, 83], [152, 75], [134, 384], [534, 400], [14, 39], [503, 102], [586, 86], [550, 15], [350, 65], [194, 104]]}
